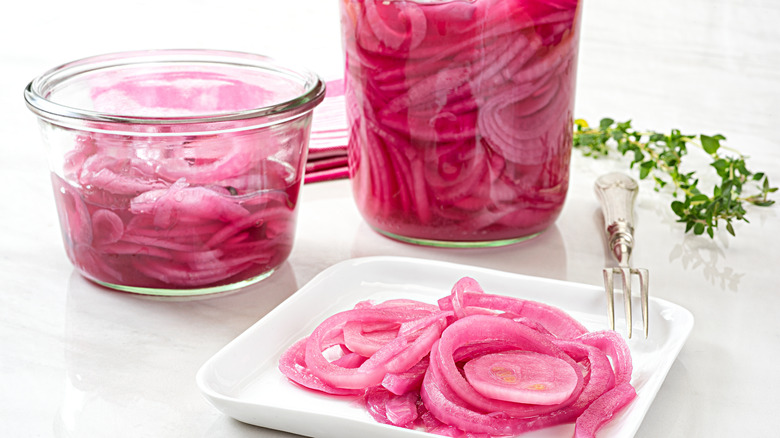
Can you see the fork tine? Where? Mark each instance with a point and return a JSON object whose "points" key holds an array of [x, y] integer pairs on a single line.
{"points": [[644, 278], [610, 288], [625, 274]]}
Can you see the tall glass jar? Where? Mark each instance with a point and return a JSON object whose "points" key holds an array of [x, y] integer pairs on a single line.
{"points": [[460, 115]]}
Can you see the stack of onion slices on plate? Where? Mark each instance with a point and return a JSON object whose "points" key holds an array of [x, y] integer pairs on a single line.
{"points": [[475, 364]]}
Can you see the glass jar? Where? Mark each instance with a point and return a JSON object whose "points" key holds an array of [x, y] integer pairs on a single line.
{"points": [[176, 172], [460, 115]]}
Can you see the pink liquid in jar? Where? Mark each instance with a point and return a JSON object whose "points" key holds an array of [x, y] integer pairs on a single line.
{"points": [[129, 224], [460, 115]]}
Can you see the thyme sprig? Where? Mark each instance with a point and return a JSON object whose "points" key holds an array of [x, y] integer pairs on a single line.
{"points": [[660, 156]]}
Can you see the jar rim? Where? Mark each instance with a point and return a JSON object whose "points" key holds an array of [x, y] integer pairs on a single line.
{"points": [[36, 92]]}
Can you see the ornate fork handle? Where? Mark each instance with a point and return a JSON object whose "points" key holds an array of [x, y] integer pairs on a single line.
{"points": [[617, 193]]}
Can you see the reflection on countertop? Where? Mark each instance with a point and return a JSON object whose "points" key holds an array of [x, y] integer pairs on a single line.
{"points": [[139, 353], [543, 255]]}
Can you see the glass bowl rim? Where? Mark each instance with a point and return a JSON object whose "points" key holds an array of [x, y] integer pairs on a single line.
{"points": [[35, 91]]}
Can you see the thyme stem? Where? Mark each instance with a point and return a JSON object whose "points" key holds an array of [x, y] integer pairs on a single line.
{"points": [[659, 156]]}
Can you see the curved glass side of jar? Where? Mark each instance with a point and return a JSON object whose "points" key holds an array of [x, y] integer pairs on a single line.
{"points": [[183, 215], [461, 116]]}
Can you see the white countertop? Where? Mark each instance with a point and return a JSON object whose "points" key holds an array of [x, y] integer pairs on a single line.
{"points": [[80, 361]]}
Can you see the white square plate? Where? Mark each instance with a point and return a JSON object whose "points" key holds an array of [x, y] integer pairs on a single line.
{"points": [[242, 380]]}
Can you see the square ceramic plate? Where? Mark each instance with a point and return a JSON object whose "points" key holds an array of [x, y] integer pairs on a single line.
{"points": [[242, 379]]}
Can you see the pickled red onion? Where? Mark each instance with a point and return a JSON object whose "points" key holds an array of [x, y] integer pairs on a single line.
{"points": [[182, 210], [489, 81], [386, 359], [442, 370], [522, 377]]}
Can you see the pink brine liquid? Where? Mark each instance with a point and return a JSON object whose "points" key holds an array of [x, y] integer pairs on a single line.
{"points": [[165, 246], [461, 115], [218, 215]]}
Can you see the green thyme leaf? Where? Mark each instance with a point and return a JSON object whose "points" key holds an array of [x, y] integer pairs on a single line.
{"points": [[711, 144]]}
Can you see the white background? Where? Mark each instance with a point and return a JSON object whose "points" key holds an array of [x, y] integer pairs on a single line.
{"points": [[76, 360]]}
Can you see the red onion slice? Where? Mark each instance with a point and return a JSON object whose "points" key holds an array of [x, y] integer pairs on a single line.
{"points": [[409, 380], [486, 329], [372, 371], [388, 408], [552, 318], [522, 377], [601, 411], [293, 366]]}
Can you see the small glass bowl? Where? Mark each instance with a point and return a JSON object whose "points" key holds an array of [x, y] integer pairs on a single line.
{"points": [[176, 172]]}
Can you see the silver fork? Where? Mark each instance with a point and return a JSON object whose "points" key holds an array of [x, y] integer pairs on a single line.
{"points": [[617, 193]]}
